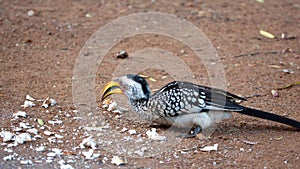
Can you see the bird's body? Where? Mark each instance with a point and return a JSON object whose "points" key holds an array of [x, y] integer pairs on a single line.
{"points": [[184, 100], [184, 104]]}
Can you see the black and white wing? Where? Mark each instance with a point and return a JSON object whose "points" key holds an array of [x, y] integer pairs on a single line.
{"points": [[179, 98]]}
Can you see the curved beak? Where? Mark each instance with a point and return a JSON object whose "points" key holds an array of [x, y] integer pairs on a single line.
{"points": [[111, 88]]}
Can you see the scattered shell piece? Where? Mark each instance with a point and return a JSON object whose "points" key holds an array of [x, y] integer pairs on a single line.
{"points": [[112, 106], [117, 111], [45, 106], [88, 154], [48, 102], [153, 135], [287, 71], [66, 166], [210, 148], [51, 154], [57, 151], [49, 161], [16, 129], [122, 54], [7, 136], [20, 114], [58, 136], [38, 136], [32, 131], [71, 161], [28, 103], [61, 162], [49, 133], [28, 97], [9, 157], [132, 132], [250, 142], [55, 122], [123, 130], [141, 151], [94, 128], [26, 162], [275, 93], [52, 139], [22, 138], [40, 148], [267, 34], [25, 125], [96, 155], [14, 144], [117, 161], [89, 142], [8, 150], [52, 102]]}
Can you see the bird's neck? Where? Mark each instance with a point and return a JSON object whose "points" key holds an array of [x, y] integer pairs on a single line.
{"points": [[139, 105]]}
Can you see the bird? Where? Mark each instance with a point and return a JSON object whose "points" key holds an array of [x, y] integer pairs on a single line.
{"points": [[184, 104]]}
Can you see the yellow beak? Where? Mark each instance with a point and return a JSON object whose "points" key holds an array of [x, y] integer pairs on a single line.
{"points": [[111, 88]]}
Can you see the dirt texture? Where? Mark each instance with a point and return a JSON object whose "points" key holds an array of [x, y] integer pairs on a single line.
{"points": [[41, 41]]}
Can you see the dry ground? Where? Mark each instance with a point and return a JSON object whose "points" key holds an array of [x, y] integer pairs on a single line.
{"points": [[38, 54]]}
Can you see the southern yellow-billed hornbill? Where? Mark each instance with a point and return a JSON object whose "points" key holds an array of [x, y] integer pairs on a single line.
{"points": [[184, 104]]}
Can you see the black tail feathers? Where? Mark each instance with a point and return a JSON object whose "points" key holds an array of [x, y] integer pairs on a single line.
{"points": [[270, 116]]}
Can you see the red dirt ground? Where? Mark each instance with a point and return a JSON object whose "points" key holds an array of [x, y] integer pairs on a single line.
{"points": [[38, 54]]}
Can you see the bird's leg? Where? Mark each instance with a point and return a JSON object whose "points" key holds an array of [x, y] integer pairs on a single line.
{"points": [[193, 133], [196, 131]]}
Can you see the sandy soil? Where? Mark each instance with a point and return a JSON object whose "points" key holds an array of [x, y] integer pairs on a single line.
{"points": [[38, 54]]}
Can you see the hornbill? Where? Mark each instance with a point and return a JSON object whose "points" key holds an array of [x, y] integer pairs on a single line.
{"points": [[184, 104]]}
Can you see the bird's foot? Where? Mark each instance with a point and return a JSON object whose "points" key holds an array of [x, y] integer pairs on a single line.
{"points": [[193, 133]]}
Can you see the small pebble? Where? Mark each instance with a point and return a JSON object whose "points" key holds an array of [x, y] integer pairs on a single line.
{"points": [[275, 93], [26, 162], [30, 13]]}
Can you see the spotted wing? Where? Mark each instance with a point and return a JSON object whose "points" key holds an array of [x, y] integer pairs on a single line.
{"points": [[178, 98]]}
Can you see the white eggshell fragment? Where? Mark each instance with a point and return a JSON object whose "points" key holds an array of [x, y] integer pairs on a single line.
{"points": [[28, 103], [153, 135], [28, 97], [210, 148], [132, 132], [32, 131], [88, 154], [9, 157], [89, 142], [40, 148], [19, 114], [7, 136], [22, 138], [117, 161]]}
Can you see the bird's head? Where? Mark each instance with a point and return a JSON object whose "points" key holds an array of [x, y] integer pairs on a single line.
{"points": [[133, 86]]}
